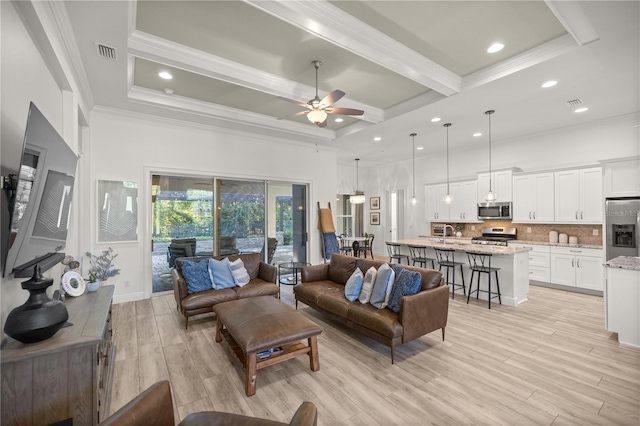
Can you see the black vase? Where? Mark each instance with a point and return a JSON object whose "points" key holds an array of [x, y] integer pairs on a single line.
{"points": [[40, 317]]}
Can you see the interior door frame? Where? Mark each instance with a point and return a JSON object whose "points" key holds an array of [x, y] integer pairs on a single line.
{"points": [[400, 213]]}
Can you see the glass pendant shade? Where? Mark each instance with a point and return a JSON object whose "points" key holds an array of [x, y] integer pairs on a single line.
{"points": [[317, 116], [358, 197], [414, 200], [490, 196], [447, 198]]}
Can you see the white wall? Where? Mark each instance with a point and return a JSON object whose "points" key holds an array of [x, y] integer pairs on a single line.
{"points": [[26, 77], [129, 147], [568, 147]]}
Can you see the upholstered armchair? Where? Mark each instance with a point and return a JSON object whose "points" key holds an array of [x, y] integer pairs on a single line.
{"points": [[155, 407]]}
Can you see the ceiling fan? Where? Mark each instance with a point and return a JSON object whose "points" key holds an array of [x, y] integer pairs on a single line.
{"points": [[318, 109]]}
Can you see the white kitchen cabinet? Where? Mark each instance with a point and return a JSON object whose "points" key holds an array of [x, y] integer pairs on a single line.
{"points": [[464, 206], [577, 267], [501, 183], [578, 195], [435, 209], [533, 198], [621, 178], [539, 261]]}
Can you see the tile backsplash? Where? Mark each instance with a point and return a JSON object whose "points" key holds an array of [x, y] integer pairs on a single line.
{"points": [[539, 232]]}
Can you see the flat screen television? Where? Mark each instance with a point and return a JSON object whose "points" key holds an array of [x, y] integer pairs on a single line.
{"points": [[39, 199]]}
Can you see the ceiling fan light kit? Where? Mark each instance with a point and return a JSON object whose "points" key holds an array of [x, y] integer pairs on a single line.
{"points": [[318, 109]]}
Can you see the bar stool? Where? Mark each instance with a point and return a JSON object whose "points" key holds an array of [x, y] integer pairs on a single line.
{"points": [[447, 258], [481, 263], [394, 252], [419, 254]]}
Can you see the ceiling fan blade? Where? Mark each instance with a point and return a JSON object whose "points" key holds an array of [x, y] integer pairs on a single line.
{"points": [[295, 114], [293, 101], [344, 111], [331, 98]]}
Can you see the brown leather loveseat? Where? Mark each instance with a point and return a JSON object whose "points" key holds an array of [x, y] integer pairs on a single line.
{"points": [[262, 283], [322, 288]]}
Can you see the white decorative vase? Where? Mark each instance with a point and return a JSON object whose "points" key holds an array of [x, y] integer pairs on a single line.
{"points": [[458, 234], [94, 286]]}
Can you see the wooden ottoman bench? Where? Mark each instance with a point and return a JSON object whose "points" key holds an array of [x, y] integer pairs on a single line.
{"points": [[257, 325]]}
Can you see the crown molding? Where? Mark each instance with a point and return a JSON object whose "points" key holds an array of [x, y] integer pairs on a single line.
{"points": [[153, 48], [537, 55], [573, 19], [224, 113], [330, 23]]}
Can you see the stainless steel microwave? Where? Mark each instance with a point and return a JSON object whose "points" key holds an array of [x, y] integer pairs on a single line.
{"points": [[494, 210]]}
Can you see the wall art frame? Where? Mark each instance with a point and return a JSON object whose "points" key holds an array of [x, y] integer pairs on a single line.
{"points": [[374, 203], [117, 211], [375, 218]]}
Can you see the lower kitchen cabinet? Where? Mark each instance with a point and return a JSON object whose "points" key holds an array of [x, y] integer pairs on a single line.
{"points": [[539, 262], [577, 267], [66, 378]]}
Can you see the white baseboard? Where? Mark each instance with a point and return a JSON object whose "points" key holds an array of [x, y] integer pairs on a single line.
{"points": [[131, 297]]}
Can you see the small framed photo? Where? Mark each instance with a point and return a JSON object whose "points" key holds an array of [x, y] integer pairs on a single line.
{"points": [[374, 203], [375, 218]]}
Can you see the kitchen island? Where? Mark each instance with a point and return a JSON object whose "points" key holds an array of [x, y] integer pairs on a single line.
{"points": [[622, 299], [512, 261]]}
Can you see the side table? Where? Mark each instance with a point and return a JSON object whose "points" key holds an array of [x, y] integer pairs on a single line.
{"points": [[295, 267]]}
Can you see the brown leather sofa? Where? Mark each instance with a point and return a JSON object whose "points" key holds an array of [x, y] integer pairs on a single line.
{"points": [[322, 288], [154, 407], [263, 278]]}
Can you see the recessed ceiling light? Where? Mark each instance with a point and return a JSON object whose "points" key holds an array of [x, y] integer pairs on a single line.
{"points": [[420, 148], [168, 91], [377, 139], [583, 109], [477, 135], [339, 120], [495, 47], [435, 119], [549, 83], [165, 75]]}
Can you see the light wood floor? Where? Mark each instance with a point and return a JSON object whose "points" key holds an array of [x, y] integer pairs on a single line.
{"points": [[547, 362]]}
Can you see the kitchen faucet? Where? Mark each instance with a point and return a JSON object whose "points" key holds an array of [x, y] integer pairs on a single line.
{"points": [[444, 233]]}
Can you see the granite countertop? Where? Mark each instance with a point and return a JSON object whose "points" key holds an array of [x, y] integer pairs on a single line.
{"points": [[462, 244], [547, 243], [624, 262], [540, 243]]}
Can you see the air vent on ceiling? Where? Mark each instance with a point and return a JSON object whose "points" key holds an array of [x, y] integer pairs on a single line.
{"points": [[574, 102], [107, 52]]}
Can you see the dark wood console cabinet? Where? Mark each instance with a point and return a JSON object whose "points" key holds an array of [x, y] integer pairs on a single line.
{"points": [[67, 376]]}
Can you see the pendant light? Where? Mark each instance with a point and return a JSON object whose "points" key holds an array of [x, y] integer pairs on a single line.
{"points": [[358, 197], [448, 198], [491, 196], [414, 200]]}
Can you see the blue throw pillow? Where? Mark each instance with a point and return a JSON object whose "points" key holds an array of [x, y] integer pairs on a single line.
{"points": [[384, 279], [197, 276], [406, 283], [354, 285], [220, 274]]}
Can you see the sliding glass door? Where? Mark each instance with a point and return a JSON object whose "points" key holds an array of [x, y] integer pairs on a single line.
{"points": [[205, 216]]}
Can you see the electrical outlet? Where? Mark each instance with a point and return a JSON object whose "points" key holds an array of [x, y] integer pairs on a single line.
{"points": [[528, 229], [473, 228], [595, 232], [126, 284]]}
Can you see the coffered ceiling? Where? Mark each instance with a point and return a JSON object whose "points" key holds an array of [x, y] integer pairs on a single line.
{"points": [[402, 62]]}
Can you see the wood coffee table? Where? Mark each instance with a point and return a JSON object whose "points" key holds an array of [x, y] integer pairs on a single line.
{"points": [[257, 324]]}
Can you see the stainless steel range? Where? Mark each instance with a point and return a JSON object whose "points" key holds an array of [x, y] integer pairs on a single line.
{"points": [[495, 236]]}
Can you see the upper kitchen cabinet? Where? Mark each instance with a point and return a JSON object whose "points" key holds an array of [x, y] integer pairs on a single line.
{"points": [[578, 195], [464, 207], [501, 183], [533, 198], [621, 178], [434, 206]]}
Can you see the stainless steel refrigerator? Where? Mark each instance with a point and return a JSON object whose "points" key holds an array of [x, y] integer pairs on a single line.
{"points": [[622, 227]]}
